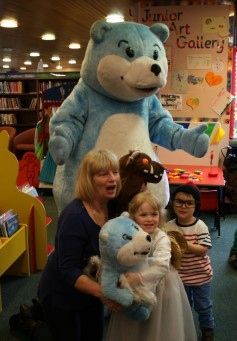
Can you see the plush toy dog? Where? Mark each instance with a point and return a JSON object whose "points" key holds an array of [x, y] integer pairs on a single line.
{"points": [[124, 247], [115, 106]]}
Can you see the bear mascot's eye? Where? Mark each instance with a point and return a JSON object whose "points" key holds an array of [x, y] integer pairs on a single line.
{"points": [[130, 52]]}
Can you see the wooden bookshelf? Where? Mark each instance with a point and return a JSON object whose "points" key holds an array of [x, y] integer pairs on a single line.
{"points": [[21, 96]]}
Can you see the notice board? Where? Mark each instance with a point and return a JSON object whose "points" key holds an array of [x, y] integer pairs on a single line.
{"points": [[198, 53]]}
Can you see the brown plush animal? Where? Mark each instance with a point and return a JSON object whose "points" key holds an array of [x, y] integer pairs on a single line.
{"points": [[136, 170]]}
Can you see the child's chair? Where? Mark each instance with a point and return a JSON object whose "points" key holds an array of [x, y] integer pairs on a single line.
{"points": [[210, 203]]}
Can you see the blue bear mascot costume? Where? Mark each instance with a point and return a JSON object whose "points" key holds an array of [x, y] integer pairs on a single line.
{"points": [[115, 105]]}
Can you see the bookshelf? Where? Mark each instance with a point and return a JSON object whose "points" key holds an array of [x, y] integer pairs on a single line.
{"points": [[21, 96]]}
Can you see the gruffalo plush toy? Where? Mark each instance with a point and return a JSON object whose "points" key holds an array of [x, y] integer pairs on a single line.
{"points": [[124, 247], [137, 169], [115, 105]]}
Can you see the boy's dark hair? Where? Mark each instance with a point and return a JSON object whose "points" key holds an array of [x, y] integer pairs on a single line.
{"points": [[190, 189]]}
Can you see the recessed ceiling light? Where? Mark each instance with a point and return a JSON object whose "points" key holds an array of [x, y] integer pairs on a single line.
{"points": [[115, 18], [27, 62], [72, 61], [34, 54], [48, 36], [6, 59], [9, 23], [55, 58], [74, 46], [5, 66], [22, 68]]}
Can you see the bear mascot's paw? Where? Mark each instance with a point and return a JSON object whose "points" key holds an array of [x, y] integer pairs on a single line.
{"points": [[124, 247]]}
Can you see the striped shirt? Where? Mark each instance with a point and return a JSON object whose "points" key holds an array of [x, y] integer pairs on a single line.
{"points": [[195, 269]]}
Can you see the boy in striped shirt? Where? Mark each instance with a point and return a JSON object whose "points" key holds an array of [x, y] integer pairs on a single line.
{"points": [[196, 271]]}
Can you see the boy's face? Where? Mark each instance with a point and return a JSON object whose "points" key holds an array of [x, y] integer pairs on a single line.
{"points": [[184, 206]]}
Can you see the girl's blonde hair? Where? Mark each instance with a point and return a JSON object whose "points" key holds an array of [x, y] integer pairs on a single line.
{"points": [[94, 162], [149, 198]]}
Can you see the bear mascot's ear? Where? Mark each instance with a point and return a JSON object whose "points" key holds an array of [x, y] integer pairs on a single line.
{"points": [[136, 170]]}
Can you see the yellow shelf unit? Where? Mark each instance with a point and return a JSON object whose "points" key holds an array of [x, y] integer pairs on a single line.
{"points": [[14, 255], [30, 210]]}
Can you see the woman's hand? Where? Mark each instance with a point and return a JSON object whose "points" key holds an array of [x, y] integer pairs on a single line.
{"points": [[112, 305]]}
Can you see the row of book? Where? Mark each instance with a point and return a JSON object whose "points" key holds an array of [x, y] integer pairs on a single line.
{"points": [[8, 118], [11, 87], [10, 103], [9, 224]]}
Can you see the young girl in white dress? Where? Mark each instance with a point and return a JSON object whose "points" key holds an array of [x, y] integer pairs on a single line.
{"points": [[171, 318]]}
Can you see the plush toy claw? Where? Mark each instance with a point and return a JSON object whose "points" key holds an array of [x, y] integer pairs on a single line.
{"points": [[194, 141]]}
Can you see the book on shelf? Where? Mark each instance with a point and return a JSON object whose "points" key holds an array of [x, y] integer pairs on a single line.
{"points": [[9, 224]]}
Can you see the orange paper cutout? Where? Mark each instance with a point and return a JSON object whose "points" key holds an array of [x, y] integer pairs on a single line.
{"points": [[213, 79], [192, 102]]}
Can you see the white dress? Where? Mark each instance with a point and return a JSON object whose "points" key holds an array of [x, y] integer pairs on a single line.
{"points": [[171, 318]]}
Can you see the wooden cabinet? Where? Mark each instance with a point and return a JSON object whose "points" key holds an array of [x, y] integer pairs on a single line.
{"points": [[21, 96]]}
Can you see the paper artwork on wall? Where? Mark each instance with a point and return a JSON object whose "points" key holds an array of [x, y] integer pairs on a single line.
{"points": [[180, 81], [192, 102], [221, 102], [171, 101], [194, 80], [213, 79], [215, 25], [199, 61]]}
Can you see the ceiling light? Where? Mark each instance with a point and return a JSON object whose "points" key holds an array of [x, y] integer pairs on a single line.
{"points": [[22, 68], [5, 66], [48, 36], [9, 23], [45, 65], [59, 67], [74, 46], [115, 18], [34, 54], [55, 58], [6, 59], [27, 62], [72, 61]]}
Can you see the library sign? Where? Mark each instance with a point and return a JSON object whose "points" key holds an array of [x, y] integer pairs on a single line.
{"points": [[190, 27]]}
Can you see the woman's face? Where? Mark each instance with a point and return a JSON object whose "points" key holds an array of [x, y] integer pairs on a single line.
{"points": [[105, 184], [147, 218]]}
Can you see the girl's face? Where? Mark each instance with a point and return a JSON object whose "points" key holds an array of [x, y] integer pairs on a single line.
{"points": [[147, 218]]}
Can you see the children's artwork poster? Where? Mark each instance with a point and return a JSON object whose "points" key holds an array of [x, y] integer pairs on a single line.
{"points": [[171, 101], [180, 81], [221, 102], [200, 61], [199, 46]]}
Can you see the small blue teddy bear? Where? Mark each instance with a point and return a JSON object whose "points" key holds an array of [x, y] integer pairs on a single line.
{"points": [[124, 247]]}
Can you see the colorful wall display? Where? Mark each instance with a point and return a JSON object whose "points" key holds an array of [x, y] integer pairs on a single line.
{"points": [[198, 49]]}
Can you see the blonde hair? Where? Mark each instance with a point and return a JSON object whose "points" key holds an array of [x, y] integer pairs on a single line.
{"points": [[149, 198], [93, 163]]}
